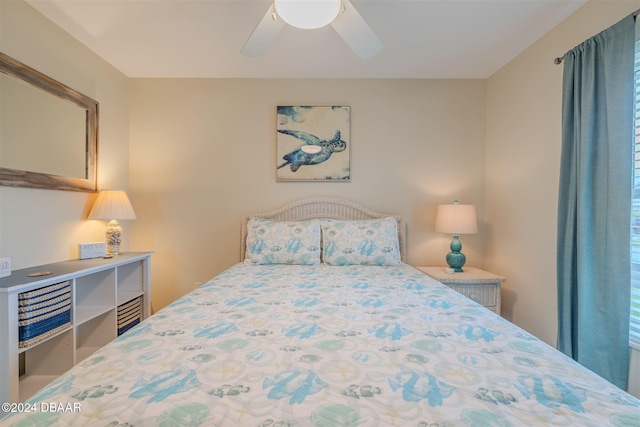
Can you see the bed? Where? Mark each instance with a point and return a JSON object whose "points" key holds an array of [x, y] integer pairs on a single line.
{"points": [[285, 340]]}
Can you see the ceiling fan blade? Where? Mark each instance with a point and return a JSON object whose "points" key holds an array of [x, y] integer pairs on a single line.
{"points": [[355, 31], [265, 32]]}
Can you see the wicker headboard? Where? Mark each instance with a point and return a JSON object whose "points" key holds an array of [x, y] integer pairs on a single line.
{"points": [[321, 207]]}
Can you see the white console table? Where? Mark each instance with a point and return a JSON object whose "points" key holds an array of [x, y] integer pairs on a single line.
{"points": [[98, 286]]}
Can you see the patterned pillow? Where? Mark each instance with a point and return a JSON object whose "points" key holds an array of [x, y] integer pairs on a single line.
{"points": [[271, 242], [367, 242]]}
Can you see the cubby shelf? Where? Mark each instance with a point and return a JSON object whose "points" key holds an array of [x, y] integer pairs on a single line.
{"points": [[98, 287]]}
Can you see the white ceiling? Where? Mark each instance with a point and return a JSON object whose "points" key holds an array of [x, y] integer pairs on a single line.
{"points": [[203, 38]]}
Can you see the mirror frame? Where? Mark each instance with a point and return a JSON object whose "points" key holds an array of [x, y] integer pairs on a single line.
{"points": [[20, 178]]}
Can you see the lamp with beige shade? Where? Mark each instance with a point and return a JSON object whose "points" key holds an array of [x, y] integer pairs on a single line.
{"points": [[456, 219], [113, 205]]}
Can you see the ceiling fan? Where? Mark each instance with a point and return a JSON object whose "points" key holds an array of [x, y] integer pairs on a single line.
{"points": [[340, 14]]}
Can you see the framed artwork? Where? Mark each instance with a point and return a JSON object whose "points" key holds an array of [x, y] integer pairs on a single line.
{"points": [[313, 143]]}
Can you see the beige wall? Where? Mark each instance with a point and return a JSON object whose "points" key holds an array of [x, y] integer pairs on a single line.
{"points": [[203, 155], [41, 226], [523, 158]]}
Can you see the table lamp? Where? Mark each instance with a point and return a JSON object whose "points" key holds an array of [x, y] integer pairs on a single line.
{"points": [[456, 219], [112, 205]]}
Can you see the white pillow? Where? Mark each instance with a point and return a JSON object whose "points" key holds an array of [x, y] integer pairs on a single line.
{"points": [[366, 242], [283, 242]]}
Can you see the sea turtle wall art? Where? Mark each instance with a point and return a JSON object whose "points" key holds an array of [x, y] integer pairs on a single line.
{"points": [[313, 143]]}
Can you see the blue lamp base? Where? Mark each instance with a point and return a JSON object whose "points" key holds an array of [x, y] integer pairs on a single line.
{"points": [[455, 258]]}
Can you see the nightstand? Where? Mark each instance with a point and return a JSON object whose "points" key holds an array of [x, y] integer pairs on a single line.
{"points": [[479, 285]]}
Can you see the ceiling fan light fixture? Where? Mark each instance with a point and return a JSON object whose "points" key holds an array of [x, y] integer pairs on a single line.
{"points": [[307, 14]]}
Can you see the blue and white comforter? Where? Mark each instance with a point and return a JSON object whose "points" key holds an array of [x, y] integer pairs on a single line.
{"points": [[330, 346]]}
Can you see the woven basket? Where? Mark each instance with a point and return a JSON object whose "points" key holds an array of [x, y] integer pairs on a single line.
{"points": [[43, 312], [129, 315]]}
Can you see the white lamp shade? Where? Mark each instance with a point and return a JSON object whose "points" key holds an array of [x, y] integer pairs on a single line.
{"points": [[456, 219], [307, 14], [112, 204]]}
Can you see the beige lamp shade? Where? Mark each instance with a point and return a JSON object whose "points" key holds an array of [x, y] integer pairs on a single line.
{"points": [[456, 219], [112, 204]]}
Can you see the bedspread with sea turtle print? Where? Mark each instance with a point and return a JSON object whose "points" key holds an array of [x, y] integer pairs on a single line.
{"points": [[326, 346]]}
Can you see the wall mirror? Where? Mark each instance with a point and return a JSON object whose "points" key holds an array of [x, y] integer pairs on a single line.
{"points": [[48, 131]]}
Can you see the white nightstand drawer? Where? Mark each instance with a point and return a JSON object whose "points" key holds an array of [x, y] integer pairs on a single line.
{"points": [[486, 295], [481, 286]]}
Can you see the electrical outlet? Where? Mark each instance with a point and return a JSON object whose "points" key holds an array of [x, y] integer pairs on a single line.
{"points": [[92, 250], [5, 267]]}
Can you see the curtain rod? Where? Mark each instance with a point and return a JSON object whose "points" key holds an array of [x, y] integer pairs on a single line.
{"points": [[559, 59]]}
